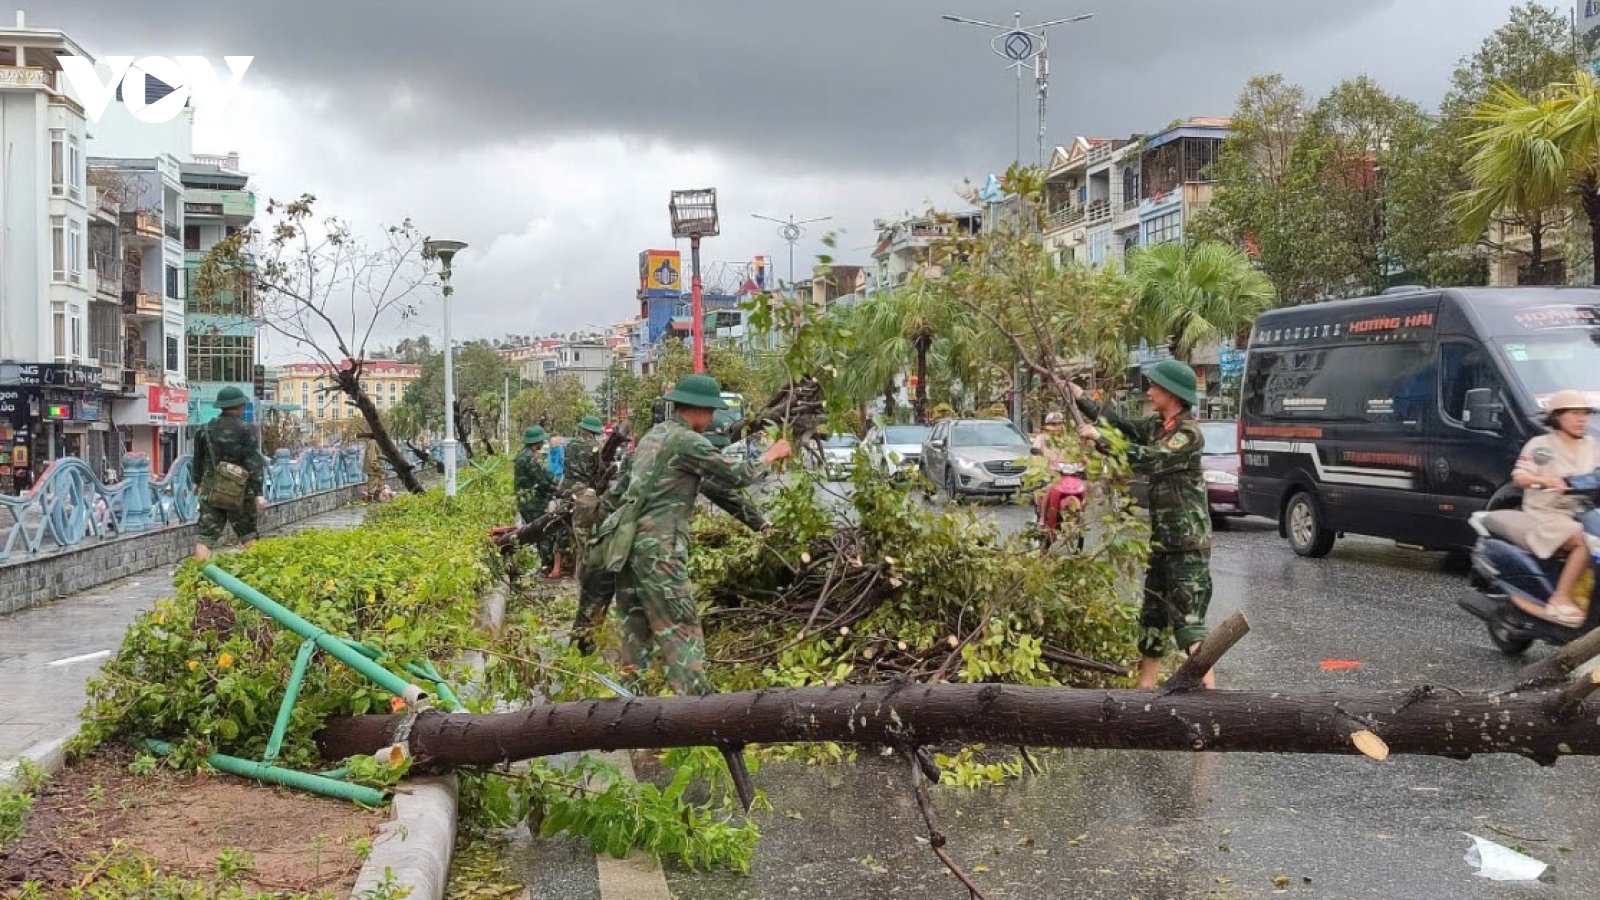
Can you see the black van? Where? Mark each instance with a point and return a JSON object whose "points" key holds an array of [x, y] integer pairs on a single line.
{"points": [[1399, 416]]}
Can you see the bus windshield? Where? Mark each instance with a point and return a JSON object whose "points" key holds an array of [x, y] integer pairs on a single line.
{"points": [[1555, 362]]}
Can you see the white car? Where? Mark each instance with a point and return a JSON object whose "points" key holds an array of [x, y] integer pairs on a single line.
{"points": [[839, 455], [896, 449]]}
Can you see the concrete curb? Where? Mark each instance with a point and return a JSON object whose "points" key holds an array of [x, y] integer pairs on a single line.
{"points": [[49, 755], [415, 846]]}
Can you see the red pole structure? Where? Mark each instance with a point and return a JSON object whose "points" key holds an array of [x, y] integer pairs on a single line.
{"points": [[697, 312]]}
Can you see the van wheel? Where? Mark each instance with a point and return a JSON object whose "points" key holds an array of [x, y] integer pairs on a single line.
{"points": [[1307, 535]]}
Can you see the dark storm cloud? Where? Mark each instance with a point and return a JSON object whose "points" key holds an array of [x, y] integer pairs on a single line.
{"points": [[879, 85]]}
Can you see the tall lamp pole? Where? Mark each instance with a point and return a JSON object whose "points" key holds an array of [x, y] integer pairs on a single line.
{"points": [[791, 232], [1025, 47], [694, 216], [446, 251]]}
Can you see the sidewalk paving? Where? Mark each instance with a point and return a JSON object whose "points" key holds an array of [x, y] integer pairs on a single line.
{"points": [[48, 653]]}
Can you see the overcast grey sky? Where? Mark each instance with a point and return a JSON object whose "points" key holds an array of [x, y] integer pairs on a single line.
{"points": [[548, 133]]}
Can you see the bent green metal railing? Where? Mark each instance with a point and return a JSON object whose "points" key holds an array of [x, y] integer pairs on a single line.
{"points": [[363, 659]]}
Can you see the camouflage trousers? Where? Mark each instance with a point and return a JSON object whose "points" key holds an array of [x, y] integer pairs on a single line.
{"points": [[596, 587], [658, 617], [1177, 592], [214, 518]]}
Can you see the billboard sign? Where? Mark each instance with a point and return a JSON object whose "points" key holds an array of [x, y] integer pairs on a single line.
{"points": [[661, 270]]}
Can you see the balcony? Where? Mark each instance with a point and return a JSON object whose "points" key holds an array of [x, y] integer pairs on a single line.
{"points": [[1065, 216], [141, 303], [142, 224], [148, 373], [1099, 211], [1100, 154], [110, 366], [172, 230], [24, 77]]}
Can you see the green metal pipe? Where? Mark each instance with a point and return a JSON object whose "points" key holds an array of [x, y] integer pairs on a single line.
{"points": [[304, 781], [329, 643], [425, 670], [297, 675], [362, 649]]}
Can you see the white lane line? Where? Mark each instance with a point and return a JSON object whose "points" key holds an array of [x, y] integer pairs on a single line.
{"points": [[98, 654], [639, 877]]}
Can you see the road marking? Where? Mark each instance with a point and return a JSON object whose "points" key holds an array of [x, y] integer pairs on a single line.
{"points": [[98, 654], [639, 877]]}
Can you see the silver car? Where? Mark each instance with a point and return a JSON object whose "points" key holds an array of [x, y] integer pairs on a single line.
{"points": [[839, 455], [896, 449], [980, 457]]}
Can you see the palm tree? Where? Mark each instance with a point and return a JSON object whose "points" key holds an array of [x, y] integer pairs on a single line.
{"points": [[1187, 295], [1522, 170], [904, 326]]}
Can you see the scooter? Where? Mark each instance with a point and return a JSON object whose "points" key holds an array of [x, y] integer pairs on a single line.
{"points": [[1067, 493], [1503, 569]]}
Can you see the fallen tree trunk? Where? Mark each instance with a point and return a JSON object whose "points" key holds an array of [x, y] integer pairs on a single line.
{"points": [[1437, 722], [1541, 716]]}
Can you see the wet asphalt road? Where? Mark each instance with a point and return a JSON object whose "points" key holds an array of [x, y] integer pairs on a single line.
{"points": [[1154, 825]]}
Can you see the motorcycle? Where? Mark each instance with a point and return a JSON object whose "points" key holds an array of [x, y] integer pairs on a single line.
{"points": [[1067, 493], [1502, 569]]}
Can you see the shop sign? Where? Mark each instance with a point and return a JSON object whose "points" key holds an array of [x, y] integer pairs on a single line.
{"points": [[177, 405], [49, 375], [88, 410]]}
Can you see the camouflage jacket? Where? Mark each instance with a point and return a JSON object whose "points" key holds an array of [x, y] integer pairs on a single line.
{"points": [[1168, 455], [233, 440], [534, 484], [583, 464], [670, 467]]}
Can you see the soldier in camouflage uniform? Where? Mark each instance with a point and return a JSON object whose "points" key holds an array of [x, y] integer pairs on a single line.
{"points": [[596, 585], [673, 463], [1166, 450], [535, 488], [582, 473], [228, 439]]}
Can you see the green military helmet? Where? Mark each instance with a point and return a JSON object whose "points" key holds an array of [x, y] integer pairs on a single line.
{"points": [[592, 424], [229, 397], [533, 434], [1177, 378], [699, 391]]}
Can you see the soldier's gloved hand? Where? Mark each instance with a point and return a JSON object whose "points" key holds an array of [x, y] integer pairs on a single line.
{"points": [[1089, 433], [766, 528]]}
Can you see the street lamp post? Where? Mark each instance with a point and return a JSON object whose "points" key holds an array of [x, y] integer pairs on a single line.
{"points": [[1022, 45], [791, 231], [446, 251], [694, 216]]}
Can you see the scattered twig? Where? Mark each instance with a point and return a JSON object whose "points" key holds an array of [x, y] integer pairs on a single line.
{"points": [[936, 838]]}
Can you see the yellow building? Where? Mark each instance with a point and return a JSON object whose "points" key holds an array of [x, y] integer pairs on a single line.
{"points": [[310, 386]]}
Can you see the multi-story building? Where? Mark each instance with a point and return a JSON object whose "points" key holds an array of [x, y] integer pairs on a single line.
{"points": [[310, 386], [1176, 178], [905, 247], [50, 385], [220, 325], [151, 230]]}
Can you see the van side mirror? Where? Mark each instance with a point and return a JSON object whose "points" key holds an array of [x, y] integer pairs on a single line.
{"points": [[1483, 411]]}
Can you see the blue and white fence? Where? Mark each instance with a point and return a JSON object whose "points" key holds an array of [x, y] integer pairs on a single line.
{"points": [[70, 505]]}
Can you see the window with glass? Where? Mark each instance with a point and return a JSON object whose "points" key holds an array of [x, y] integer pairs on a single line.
{"points": [[174, 286], [1465, 366], [58, 162], [173, 354], [1164, 229], [59, 332], [58, 248], [221, 357], [75, 252], [74, 168], [76, 328]]}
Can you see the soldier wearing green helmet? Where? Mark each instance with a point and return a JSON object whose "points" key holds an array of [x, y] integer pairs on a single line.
{"points": [[535, 488], [1166, 449], [228, 472], [645, 545]]}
